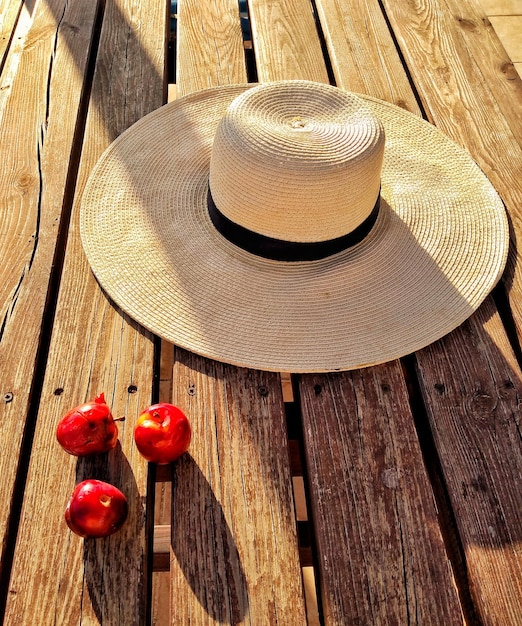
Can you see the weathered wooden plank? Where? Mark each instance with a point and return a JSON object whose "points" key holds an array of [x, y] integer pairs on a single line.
{"points": [[380, 550], [463, 99], [36, 141], [484, 57], [363, 55], [286, 41], [57, 576], [474, 410], [490, 55], [233, 526], [9, 12], [160, 599], [342, 577], [13, 51], [210, 45], [234, 535], [460, 95], [466, 109]]}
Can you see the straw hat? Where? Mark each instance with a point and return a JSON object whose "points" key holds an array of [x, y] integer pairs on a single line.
{"points": [[292, 226]]}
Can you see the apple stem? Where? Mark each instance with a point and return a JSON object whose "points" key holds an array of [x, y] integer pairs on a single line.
{"points": [[119, 419], [105, 500]]}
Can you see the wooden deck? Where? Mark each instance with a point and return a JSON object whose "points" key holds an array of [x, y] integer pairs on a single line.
{"points": [[387, 495]]}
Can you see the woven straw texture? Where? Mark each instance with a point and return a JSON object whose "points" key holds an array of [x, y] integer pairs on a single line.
{"points": [[438, 247], [297, 171]]}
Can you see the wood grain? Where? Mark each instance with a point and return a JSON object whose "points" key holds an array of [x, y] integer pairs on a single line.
{"points": [[487, 51], [233, 526], [380, 550], [36, 142], [233, 545], [461, 98], [9, 12], [160, 600], [461, 88], [286, 41], [357, 575], [56, 575], [13, 50], [210, 45], [363, 55], [233, 535], [474, 410]]}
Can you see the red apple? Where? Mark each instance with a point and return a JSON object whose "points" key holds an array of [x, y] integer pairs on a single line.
{"points": [[88, 429], [96, 509], [162, 433]]}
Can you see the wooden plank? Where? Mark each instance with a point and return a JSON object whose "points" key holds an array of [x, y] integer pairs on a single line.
{"points": [[9, 12], [210, 45], [36, 141], [161, 548], [233, 526], [353, 590], [379, 545], [13, 51], [474, 410], [286, 41], [490, 55], [463, 107], [461, 99], [161, 563], [483, 56], [234, 538], [56, 575], [160, 601], [363, 55]]}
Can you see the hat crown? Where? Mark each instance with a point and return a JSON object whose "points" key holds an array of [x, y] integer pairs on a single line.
{"points": [[297, 161]]}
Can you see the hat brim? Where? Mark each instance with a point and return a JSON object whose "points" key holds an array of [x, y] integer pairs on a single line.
{"points": [[437, 249]]}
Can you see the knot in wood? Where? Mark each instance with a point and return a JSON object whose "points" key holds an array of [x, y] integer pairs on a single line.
{"points": [[24, 182], [440, 388], [402, 104], [482, 405], [71, 27], [468, 25], [508, 69]]}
